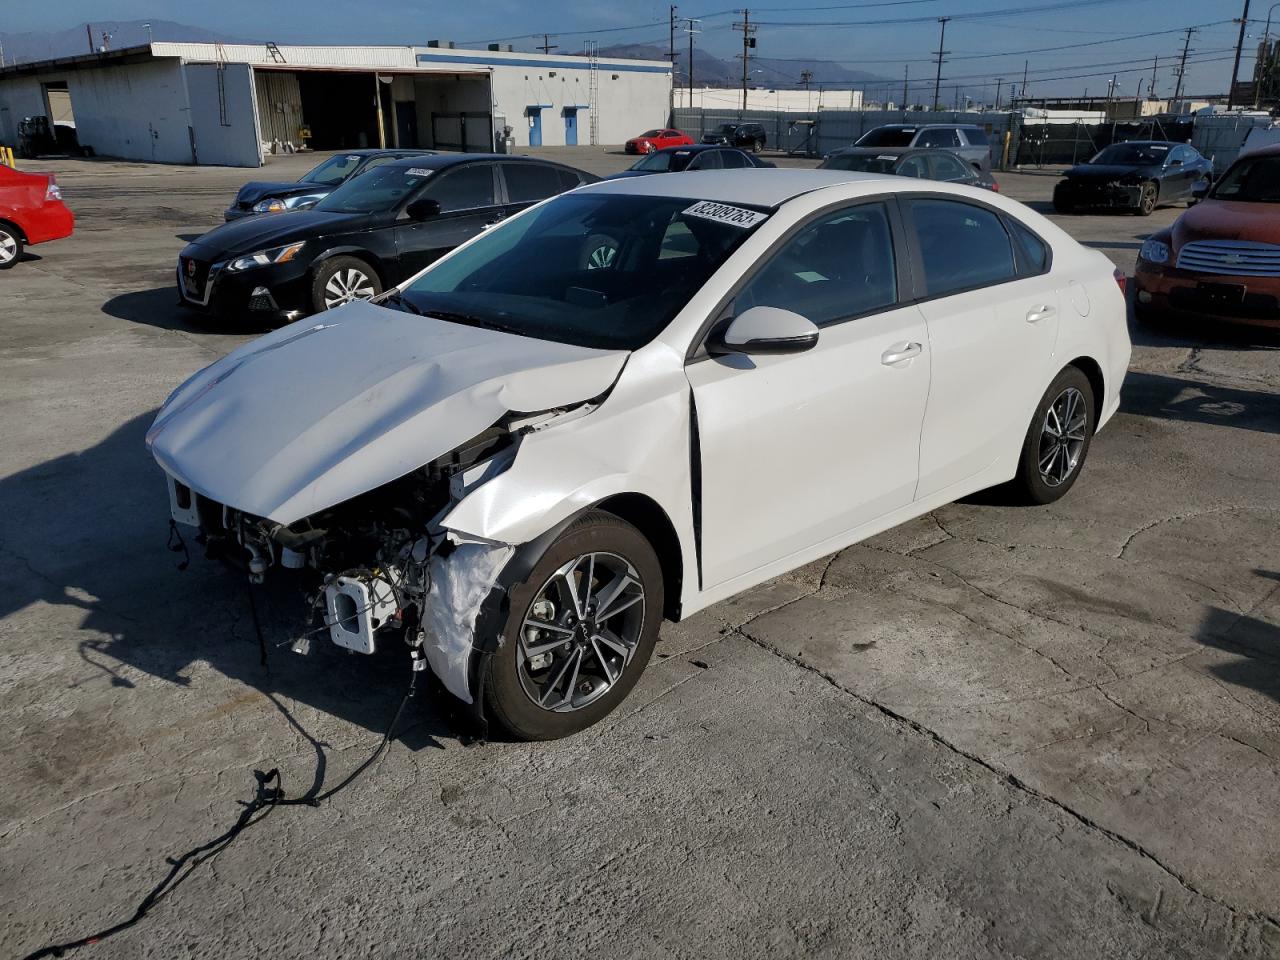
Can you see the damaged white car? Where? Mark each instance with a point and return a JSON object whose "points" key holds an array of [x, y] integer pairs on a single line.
{"points": [[637, 399]]}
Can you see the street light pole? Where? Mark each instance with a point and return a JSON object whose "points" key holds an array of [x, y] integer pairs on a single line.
{"points": [[1235, 68]]}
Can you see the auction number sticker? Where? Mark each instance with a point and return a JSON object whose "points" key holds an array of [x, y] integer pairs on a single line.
{"points": [[724, 213], [418, 172]]}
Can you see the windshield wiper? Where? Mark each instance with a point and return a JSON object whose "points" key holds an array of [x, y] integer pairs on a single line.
{"points": [[471, 320], [402, 304]]}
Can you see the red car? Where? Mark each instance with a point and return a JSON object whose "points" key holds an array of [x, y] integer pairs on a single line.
{"points": [[1220, 261], [652, 140], [31, 211]]}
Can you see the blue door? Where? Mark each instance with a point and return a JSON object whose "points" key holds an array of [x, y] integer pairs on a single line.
{"points": [[570, 127], [535, 126]]}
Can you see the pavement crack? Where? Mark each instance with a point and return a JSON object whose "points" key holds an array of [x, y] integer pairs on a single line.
{"points": [[1012, 779]]}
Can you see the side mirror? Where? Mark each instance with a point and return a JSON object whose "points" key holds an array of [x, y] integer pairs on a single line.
{"points": [[424, 208], [764, 330]]}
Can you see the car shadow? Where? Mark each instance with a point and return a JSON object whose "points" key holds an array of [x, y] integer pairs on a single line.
{"points": [[87, 532], [1195, 401], [159, 307], [1255, 642]]}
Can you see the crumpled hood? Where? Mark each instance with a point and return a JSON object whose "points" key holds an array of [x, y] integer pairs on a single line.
{"points": [[1110, 171], [336, 405], [256, 190]]}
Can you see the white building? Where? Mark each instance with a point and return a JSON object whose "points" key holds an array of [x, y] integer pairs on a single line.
{"points": [[220, 103]]}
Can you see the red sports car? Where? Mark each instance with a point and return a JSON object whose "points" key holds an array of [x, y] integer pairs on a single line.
{"points": [[652, 140], [31, 211]]}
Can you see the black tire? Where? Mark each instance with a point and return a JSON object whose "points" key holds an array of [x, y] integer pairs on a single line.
{"points": [[757, 145], [1030, 485], [1144, 315], [342, 268], [1149, 199], [511, 706], [1062, 205], [1192, 200], [10, 246]]}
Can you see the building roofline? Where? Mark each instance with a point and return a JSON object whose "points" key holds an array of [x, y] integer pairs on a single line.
{"points": [[136, 54]]}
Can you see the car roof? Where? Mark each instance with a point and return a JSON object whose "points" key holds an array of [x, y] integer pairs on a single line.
{"points": [[926, 126], [1147, 143], [754, 187], [379, 151], [1270, 150], [438, 161], [697, 148]]}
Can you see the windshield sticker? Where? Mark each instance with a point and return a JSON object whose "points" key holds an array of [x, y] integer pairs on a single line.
{"points": [[724, 213], [811, 276], [1157, 149], [418, 172], [887, 157]]}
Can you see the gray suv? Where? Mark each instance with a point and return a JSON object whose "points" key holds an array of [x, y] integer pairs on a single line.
{"points": [[966, 140]]}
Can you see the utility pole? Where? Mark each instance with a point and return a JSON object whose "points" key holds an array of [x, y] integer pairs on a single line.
{"points": [[999, 84], [1235, 68], [88, 32], [906, 74], [547, 45], [1025, 65], [1151, 90], [806, 77], [690, 28], [671, 56], [1182, 65], [937, 79], [748, 44]]}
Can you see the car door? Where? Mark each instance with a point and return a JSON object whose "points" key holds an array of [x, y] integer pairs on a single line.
{"points": [[796, 449], [991, 305], [467, 195], [1180, 172]]}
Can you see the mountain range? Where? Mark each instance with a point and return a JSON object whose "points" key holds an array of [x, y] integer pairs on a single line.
{"points": [[51, 44]]}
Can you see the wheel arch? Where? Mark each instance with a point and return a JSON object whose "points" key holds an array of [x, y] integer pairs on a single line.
{"points": [[1097, 382], [22, 234], [357, 253], [645, 514]]}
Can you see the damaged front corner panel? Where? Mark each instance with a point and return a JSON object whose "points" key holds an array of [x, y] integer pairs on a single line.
{"points": [[461, 581]]}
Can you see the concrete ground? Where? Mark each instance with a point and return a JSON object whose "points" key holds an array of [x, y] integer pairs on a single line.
{"points": [[1046, 732]]}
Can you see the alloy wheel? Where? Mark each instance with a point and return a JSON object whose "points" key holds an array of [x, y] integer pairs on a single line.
{"points": [[602, 257], [580, 632], [1062, 437], [347, 285], [8, 247]]}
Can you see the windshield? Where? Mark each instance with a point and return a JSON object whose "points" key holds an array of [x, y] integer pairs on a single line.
{"points": [[379, 190], [333, 170], [1252, 181], [1137, 153], [887, 137], [860, 162], [596, 270]]}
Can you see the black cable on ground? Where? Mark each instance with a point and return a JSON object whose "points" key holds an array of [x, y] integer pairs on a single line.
{"points": [[270, 796]]}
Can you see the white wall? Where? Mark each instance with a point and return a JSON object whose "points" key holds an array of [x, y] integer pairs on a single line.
{"points": [[136, 111], [234, 143]]}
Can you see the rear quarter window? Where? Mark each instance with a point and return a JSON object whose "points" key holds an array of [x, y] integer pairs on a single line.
{"points": [[1033, 253]]}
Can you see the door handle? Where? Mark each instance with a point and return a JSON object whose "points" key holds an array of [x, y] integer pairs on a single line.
{"points": [[899, 352], [1042, 312]]}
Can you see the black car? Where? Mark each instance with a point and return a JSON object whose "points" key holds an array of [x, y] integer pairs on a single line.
{"points": [[748, 136], [1139, 175], [261, 196], [925, 164], [370, 233], [698, 156]]}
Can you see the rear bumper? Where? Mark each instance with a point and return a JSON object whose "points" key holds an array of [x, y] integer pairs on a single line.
{"points": [[1216, 298], [53, 222]]}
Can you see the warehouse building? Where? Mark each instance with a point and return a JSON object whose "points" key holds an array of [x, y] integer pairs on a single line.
{"points": [[233, 104]]}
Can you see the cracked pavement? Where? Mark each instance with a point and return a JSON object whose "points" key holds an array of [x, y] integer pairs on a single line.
{"points": [[994, 731]]}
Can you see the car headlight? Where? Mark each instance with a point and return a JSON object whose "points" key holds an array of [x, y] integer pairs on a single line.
{"points": [[278, 255], [273, 205], [1153, 251]]}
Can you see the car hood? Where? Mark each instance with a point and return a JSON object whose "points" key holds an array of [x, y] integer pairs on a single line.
{"points": [[331, 407], [1228, 220], [257, 190], [1111, 171], [262, 233]]}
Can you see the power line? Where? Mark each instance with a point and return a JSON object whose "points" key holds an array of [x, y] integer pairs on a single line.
{"points": [[976, 15]]}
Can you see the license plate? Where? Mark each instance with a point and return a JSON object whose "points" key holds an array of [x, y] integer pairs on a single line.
{"points": [[1221, 294]]}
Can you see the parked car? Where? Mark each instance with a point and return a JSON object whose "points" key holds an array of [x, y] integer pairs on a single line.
{"points": [[922, 164], [1220, 261], [371, 232], [966, 140], [660, 139], [1138, 176], [521, 461], [31, 212], [698, 156], [314, 185], [747, 135]]}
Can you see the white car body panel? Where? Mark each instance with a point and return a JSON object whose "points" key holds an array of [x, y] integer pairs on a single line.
{"points": [[357, 399]]}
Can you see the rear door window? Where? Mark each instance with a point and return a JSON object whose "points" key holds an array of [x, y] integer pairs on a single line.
{"points": [[962, 246], [945, 137], [733, 160], [914, 167], [1033, 253], [976, 137], [530, 182], [464, 188], [707, 160]]}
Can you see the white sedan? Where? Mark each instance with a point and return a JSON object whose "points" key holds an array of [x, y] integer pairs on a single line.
{"points": [[637, 399]]}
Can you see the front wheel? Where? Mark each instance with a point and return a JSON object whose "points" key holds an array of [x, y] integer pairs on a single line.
{"points": [[579, 632], [1057, 440], [757, 146], [1147, 199], [342, 280], [10, 246]]}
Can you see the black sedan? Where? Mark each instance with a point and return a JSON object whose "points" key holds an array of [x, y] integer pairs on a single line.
{"points": [[370, 233], [260, 196], [749, 136], [924, 164], [698, 156], [1138, 176]]}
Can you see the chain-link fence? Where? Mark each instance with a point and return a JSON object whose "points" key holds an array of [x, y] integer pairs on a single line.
{"points": [[1042, 143]]}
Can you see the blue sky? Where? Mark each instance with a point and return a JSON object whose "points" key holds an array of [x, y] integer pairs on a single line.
{"points": [[1101, 37]]}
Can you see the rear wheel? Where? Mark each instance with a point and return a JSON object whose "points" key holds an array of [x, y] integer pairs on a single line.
{"points": [[1147, 199], [757, 146], [10, 246], [1057, 440], [580, 631], [342, 280]]}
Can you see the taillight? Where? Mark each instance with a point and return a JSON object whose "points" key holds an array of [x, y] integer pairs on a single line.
{"points": [[52, 192], [1122, 281], [995, 187]]}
